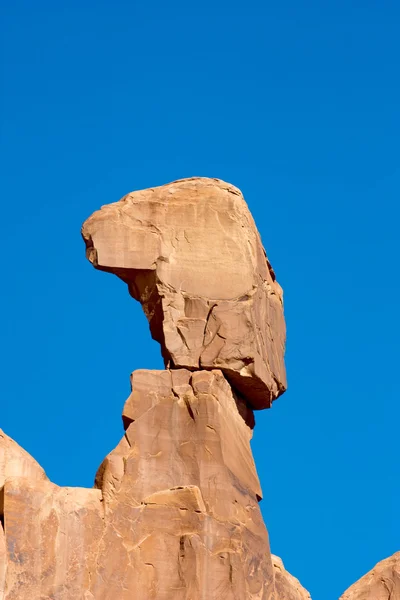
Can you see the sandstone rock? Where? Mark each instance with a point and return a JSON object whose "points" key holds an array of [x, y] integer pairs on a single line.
{"points": [[17, 466], [287, 587], [174, 512], [174, 515], [52, 535], [381, 583], [182, 496], [16, 462], [47, 532], [191, 254]]}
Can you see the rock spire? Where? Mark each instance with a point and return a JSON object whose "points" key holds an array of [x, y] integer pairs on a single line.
{"points": [[174, 511]]}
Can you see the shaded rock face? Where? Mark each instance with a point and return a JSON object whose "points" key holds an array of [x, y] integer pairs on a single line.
{"points": [[191, 254], [174, 511], [381, 583]]}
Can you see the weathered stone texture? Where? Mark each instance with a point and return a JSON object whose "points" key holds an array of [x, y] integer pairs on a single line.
{"points": [[174, 512], [189, 494], [15, 462], [51, 533], [174, 516], [191, 254], [381, 583], [287, 587]]}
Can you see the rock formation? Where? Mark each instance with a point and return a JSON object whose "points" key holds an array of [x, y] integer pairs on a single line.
{"points": [[191, 254], [174, 512], [382, 583], [287, 586]]}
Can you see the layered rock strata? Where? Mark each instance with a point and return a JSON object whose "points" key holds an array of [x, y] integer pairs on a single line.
{"points": [[174, 512]]}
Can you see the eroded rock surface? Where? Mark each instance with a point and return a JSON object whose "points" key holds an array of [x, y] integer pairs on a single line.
{"points": [[191, 254], [381, 583], [174, 514], [49, 534], [287, 587], [189, 493], [174, 511]]}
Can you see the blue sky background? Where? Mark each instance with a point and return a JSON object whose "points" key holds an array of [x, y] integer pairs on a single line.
{"points": [[295, 102]]}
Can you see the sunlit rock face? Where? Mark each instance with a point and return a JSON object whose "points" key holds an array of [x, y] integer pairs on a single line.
{"points": [[188, 492], [287, 587], [191, 254], [381, 583], [174, 511]]}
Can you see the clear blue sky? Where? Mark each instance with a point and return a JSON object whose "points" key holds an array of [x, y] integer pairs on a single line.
{"points": [[295, 102]]}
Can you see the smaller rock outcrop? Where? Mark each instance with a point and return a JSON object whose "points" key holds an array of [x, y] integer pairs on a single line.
{"points": [[15, 462], [381, 583], [287, 587]]}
